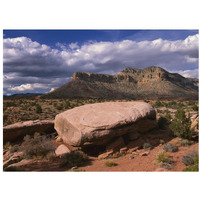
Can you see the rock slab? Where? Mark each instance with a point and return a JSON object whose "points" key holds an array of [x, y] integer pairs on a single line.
{"points": [[96, 124], [20, 129]]}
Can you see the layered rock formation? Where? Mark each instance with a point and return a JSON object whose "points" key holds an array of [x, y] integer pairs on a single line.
{"points": [[20, 129], [97, 124], [151, 83]]}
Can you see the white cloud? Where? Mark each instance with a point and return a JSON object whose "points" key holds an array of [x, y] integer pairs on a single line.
{"points": [[188, 73], [28, 63], [27, 87], [74, 45], [52, 89]]}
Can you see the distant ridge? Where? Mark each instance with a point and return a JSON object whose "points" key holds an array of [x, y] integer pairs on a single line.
{"points": [[149, 83]]}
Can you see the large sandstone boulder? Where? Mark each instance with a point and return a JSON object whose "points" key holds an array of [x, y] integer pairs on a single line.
{"points": [[20, 129], [98, 123]]}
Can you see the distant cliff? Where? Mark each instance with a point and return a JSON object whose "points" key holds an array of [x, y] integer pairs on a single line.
{"points": [[149, 83]]}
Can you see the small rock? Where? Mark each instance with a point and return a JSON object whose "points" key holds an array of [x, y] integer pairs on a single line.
{"points": [[123, 150], [132, 150], [105, 155], [4, 151], [131, 157], [73, 168], [62, 150], [59, 139], [16, 157], [18, 166], [146, 153]]}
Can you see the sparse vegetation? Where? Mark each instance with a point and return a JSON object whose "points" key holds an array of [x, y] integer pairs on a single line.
{"points": [[110, 163], [162, 157], [181, 125], [7, 145], [190, 158], [15, 148], [170, 148], [38, 108], [164, 160], [147, 146], [37, 146], [74, 159]]}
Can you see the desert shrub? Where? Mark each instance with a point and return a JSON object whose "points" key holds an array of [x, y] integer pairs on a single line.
{"points": [[75, 158], [59, 107], [195, 107], [14, 148], [147, 146], [162, 157], [170, 148], [55, 104], [110, 163], [186, 142], [159, 111], [190, 103], [67, 104], [181, 125], [7, 145], [193, 168], [37, 146], [171, 104], [168, 115], [158, 104], [162, 122], [190, 158], [38, 108]]}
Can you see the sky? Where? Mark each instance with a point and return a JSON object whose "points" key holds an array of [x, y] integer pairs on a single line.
{"points": [[39, 61]]}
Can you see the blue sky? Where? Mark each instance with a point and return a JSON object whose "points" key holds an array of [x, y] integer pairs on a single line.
{"points": [[42, 60]]}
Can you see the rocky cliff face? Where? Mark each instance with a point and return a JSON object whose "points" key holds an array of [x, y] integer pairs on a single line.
{"points": [[151, 82]]}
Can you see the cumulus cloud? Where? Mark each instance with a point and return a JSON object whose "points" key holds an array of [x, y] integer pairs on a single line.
{"points": [[29, 65], [28, 87], [188, 73]]}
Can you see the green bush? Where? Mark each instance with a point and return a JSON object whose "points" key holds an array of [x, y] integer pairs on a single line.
{"points": [[195, 107], [38, 108], [75, 158], [162, 157], [181, 125], [168, 115], [193, 168], [170, 148], [37, 146], [59, 107], [147, 146], [190, 159], [110, 163], [158, 104], [14, 148], [7, 145], [186, 142]]}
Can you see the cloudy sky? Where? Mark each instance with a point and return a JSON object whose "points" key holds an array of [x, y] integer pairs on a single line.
{"points": [[42, 60]]}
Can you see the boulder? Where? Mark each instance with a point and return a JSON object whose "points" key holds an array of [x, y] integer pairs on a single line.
{"points": [[14, 158], [20, 129], [97, 124], [18, 166], [62, 150]]}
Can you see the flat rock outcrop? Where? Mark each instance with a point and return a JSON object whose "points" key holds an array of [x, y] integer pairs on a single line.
{"points": [[20, 129], [97, 124], [151, 83]]}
